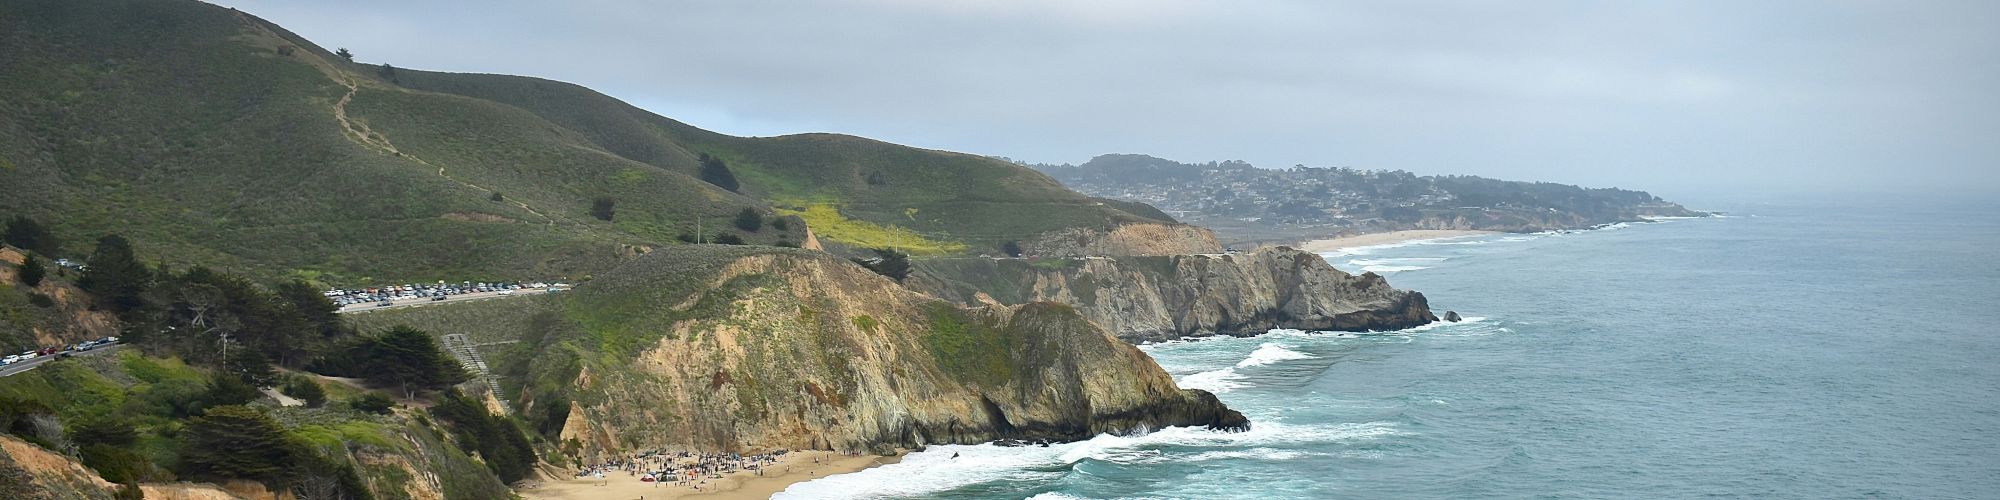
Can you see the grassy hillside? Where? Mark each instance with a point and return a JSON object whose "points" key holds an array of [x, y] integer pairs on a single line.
{"points": [[865, 192], [209, 136]]}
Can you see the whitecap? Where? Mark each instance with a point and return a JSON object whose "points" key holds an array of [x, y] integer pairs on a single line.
{"points": [[1462, 321], [1269, 353], [1390, 269], [1215, 381]]}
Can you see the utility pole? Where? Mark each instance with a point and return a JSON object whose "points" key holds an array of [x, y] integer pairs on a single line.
{"points": [[698, 237]]}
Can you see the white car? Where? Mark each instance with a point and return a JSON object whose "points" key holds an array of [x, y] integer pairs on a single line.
{"points": [[506, 292], [11, 359]]}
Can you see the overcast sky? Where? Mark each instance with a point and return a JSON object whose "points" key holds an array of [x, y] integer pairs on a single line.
{"points": [[1673, 97]]}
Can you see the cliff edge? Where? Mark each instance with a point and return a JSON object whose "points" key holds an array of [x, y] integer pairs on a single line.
{"points": [[742, 348], [1167, 297]]}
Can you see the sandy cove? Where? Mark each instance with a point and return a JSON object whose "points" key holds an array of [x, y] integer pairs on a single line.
{"points": [[1372, 239], [791, 468]]}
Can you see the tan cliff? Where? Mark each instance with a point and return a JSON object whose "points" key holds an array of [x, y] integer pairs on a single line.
{"points": [[744, 349], [1126, 239], [1167, 297]]}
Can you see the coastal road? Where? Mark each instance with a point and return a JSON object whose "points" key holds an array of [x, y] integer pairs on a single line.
{"points": [[10, 370], [423, 301]]}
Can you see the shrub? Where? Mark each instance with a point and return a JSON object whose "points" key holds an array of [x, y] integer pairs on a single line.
{"points": [[226, 389], [748, 220], [729, 239], [372, 402], [32, 271], [41, 300], [304, 388], [603, 208], [496, 196], [781, 224]]}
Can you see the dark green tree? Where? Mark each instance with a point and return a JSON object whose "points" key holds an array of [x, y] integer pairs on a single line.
{"points": [[781, 224], [1011, 248], [226, 389], [115, 276], [32, 271], [387, 72], [234, 442], [888, 262], [344, 54], [496, 196], [603, 208], [304, 388], [409, 358], [496, 437], [312, 307], [749, 220], [372, 402], [729, 239], [25, 233], [714, 171], [249, 366]]}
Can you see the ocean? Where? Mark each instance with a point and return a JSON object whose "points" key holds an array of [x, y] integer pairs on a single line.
{"points": [[1792, 349]]}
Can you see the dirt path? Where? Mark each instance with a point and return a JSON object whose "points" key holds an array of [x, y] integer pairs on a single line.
{"points": [[361, 134]]}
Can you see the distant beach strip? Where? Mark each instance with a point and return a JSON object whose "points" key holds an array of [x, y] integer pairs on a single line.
{"points": [[1388, 238]]}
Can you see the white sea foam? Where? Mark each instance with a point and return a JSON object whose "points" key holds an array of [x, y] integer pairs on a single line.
{"points": [[1462, 321], [1269, 353], [946, 467], [1390, 269], [1216, 381]]}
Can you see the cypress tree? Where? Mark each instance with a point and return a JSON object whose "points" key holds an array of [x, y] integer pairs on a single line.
{"points": [[115, 276], [714, 171], [32, 271], [234, 442]]}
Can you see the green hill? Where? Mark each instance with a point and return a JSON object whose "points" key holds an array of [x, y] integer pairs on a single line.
{"points": [[210, 136]]}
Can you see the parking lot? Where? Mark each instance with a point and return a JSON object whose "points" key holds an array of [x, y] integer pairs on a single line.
{"points": [[399, 296]]}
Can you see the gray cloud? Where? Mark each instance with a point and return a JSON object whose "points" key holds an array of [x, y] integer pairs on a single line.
{"points": [[1667, 96]]}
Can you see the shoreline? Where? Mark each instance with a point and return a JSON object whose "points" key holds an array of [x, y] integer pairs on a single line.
{"points": [[798, 467], [1392, 237]]}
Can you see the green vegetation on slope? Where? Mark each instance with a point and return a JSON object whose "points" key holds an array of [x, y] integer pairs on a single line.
{"points": [[212, 137]]}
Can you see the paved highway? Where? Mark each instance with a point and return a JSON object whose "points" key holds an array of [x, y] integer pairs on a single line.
{"points": [[422, 301], [23, 366]]}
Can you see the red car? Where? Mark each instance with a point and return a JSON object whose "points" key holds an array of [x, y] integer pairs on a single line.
{"points": [[47, 351]]}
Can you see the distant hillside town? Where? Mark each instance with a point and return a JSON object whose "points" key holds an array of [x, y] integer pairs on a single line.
{"points": [[1243, 203]]}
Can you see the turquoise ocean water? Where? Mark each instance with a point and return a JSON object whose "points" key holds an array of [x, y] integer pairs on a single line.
{"points": [[1790, 350]]}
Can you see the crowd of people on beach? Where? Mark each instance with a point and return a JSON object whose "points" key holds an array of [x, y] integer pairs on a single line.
{"points": [[688, 469]]}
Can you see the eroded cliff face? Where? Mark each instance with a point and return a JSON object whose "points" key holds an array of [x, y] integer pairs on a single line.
{"points": [[1160, 298], [1128, 239], [733, 348]]}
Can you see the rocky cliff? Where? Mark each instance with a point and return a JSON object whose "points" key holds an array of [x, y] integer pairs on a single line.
{"points": [[1127, 239], [741, 348], [1158, 298]]}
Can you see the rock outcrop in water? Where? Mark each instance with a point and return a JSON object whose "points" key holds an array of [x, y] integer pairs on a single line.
{"points": [[742, 348], [1160, 298]]}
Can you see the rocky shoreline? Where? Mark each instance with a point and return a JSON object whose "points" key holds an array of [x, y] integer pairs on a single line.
{"points": [[1142, 299]]}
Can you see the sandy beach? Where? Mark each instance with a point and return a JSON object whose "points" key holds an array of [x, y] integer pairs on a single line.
{"points": [[1362, 240], [802, 466]]}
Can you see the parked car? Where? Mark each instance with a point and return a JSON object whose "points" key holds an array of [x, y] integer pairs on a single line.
{"points": [[437, 298], [11, 359]]}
